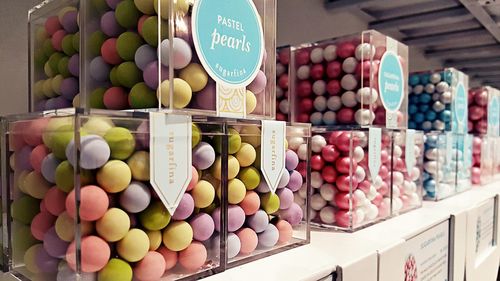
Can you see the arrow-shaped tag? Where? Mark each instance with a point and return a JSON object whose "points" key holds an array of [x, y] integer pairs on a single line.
{"points": [[272, 161]]}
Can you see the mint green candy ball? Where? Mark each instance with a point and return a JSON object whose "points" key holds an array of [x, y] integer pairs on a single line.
{"points": [[62, 67], [150, 30], [40, 59], [129, 74], [127, 44], [141, 96], [24, 209], [155, 217], [115, 270], [65, 177], [121, 142], [67, 45], [126, 14], [96, 40], [195, 135], [96, 98], [113, 77], [48, 50], [76, 41]]}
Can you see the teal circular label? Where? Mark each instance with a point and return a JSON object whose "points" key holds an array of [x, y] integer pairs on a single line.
{"points": [[228, 39], [493, 116], [391, 81], [461, 104]]}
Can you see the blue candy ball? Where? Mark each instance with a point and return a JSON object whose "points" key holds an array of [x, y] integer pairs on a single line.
{"points": [[419, 117], [424, 98], [430, 185], [414, 80], [447, 76], [412, 109], [413, 99], [424, 78], [412, 125], [430, 116], [445, 116], [426, 176], [423, 108]]}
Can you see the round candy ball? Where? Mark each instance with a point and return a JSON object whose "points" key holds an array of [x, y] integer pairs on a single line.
{"points": [[269, 237], [185, 208], [139, 165], [115, 269], [182, 93], [55, 246], [135, 198], [182, 53], [127, 45], [258, 221], [203, 194], [250, 203], [151, 267], [170, 257], [233, 245], [114, 225], [155, 217], [195, 75], [203, 226], [177, 236], [95, 254], [193, 257], [203, 156], [41, 223], [94, 152], [65, 227], [248, 239], [246, 155], [285, 231], [134, 246], [126, 14], [114, 176], [93, 203], [270, 202]]}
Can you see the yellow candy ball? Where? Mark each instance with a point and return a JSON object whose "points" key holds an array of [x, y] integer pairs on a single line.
{"points": [[181, 6], [251, 102], [139, 165], [246, 155], [30, 258], [182, 93], [270, 202], [38, 89], [56, 84], [251, 134], [203, 194], [76, 100], [236, 191], [134, 246], [114, 225], [35, 185], [41, 34], [21, 181], [97, 126], [65, 227], [177, 236], [48, 70], [195, 75], [145, 6], [155, 239], [233, 167], [51, 129], [114, 176], [47, 88], [250, 176]]}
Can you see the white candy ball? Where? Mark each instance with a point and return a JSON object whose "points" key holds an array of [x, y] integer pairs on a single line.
{"points": [[330, 53], [417, 151], [316, 118], [362, 138], [279, 92], [360, 196], [317, 55], [429, 88], [280, 69], [334, 103], [372, 193], [358, 154], [431, 167], [372, 212], [317, 143], [349, 82], [364, 116], [298, 199], [417, 90], [327, 191], [302, 152], [415, 174], [329, 118], [303, 72], [303, 191], [284, 106], [377, 182], [319, 87], [349, 99], [396, 192], [349, 65], [446, 97], [409, 187], [360, 216], [438, 106], [317, 202], [316, 179], [415, 199], [431, 154], [365, 51], [397, 151], [435, 77], [367, 95], [442, 86], [327, 215], [397, 204], [295, 142], [436, 96], [438, 125], [426, 125], [320, 103]]}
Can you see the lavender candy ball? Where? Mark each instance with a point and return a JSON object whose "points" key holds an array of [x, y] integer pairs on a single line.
{"points": [[74, 65], [263, 187], [233, 245], [45, 262], [203, 156], [70, 21], [285, 177], [113, 3], [295, 181], [110, 26], [293, 215], [70, 88], [235, 218], [144, 55], [136, 197], [258, 221], [203, 226], [259, 83], [286, 198], [150, 74], [205, 99], [54, 246], [49, 165], [269, 237], [142, 136], [291, 160], [22, 158], [99, 69], [185, 208], [59, 102], [40, 105], [94, 152]]}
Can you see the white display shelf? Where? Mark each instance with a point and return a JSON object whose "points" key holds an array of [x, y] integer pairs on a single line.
{"points": [[330, 251]]}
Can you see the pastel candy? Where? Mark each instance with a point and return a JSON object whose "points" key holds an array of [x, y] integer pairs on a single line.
{"points": [[269, 237], [203, 226], [136, 197], [94, 152]]}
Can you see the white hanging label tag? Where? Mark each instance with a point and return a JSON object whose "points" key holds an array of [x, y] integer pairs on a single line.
{"points": [[410, 150], [170, 156], [272, 158], [374, 151]]}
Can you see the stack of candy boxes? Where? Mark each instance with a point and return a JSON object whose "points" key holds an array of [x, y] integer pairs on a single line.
{"points": [[109, 191], [484, 108], [438, 105], [365, 165]]}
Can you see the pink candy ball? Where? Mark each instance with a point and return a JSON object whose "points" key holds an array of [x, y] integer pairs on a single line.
{"points": [[346, 49], [333, 69], [57, 38], [41, 224], [52, 25], [151, 267], [343, 218]]}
